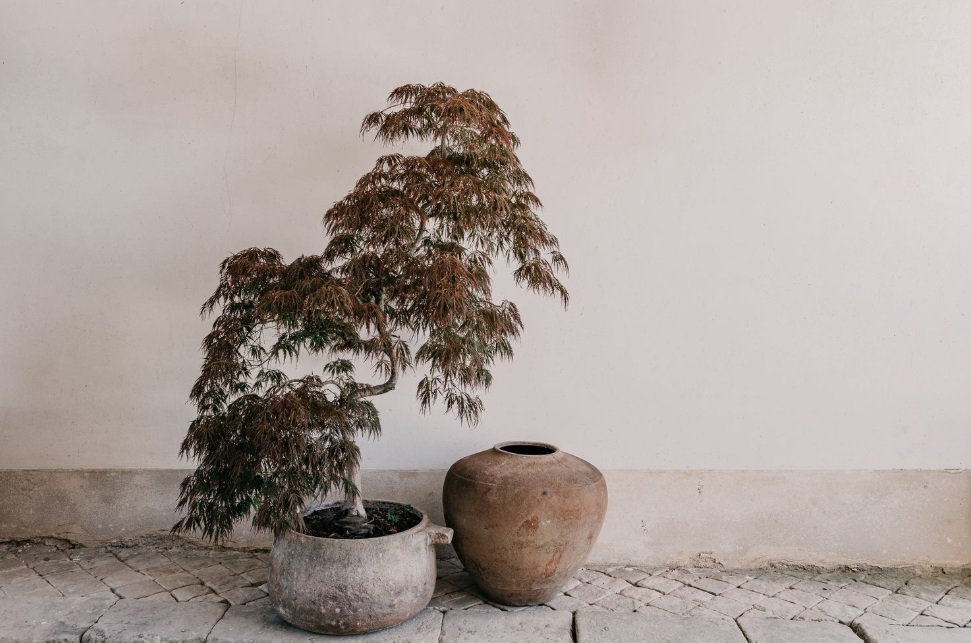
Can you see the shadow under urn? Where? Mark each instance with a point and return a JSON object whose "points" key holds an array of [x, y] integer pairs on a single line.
{"points": [[353, 586], [525, 517]]}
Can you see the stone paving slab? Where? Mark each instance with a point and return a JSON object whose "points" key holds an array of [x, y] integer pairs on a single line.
{"points": [[46, 619], [604, 627], [902, 634], [260, 623], [773, 630], [527, 626], [134, 620]]}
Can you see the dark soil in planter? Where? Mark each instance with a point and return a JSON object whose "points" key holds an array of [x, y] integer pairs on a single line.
{"points": [[383, 519]]}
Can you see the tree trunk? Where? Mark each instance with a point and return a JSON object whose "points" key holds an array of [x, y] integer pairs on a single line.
{"points": [[353, 501]]}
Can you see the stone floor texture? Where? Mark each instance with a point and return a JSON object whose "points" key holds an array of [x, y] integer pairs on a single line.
{"points": [[173, 590]]}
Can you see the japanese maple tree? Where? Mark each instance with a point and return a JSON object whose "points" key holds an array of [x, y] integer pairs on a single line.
{"points": [[408, 264]]}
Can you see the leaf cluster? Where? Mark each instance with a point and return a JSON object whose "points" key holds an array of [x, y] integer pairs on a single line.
{"points": [[409, 261]]}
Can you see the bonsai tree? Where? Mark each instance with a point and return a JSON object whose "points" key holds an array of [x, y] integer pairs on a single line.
{"points": [[408, 263]]}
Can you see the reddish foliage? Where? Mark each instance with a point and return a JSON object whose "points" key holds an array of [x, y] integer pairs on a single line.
{"points": [[409, 260]]}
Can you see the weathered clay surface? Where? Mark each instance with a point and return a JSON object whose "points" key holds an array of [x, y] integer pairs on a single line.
{"points": [[334, 586], [524, 523]]}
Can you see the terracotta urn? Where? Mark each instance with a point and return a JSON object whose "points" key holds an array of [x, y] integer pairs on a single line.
{"points": [[525, 517]]}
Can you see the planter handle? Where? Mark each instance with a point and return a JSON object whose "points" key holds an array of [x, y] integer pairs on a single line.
{"points": [[438, 535]]}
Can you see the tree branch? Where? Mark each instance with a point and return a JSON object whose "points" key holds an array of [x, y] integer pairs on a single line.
{"points": [[381, 323]]}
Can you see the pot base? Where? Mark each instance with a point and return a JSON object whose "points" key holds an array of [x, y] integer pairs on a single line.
{"points": [[521, 597]]}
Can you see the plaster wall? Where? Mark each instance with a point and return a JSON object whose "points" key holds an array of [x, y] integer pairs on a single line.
{"points": [[765, 207]]}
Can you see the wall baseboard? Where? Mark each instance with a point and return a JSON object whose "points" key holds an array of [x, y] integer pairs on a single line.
{"points": [[736, 518]]}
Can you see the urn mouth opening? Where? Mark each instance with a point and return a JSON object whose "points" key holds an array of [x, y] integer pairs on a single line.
{"points": [[526, 448]]}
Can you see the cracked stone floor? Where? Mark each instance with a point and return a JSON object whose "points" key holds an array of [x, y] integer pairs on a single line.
{"points": [[127, 582]]}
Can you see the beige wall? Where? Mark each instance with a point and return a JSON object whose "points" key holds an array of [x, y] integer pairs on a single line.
{"points": [[765, 205]]}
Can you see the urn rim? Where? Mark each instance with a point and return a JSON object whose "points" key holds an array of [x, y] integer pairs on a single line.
{"points": [[527, 449]]}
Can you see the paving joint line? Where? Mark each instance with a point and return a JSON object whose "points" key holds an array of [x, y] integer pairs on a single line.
{"points": [[221, 617], [44, 578], [744, 635], [90, 627]]}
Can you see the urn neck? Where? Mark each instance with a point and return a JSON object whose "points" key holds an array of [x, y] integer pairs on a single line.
{"points": [[526, 449]]}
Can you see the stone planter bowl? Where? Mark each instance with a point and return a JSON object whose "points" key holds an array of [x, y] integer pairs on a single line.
{"points": [[337, 586]]}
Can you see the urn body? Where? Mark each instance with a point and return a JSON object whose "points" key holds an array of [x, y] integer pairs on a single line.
{"points": [[525, 517]]}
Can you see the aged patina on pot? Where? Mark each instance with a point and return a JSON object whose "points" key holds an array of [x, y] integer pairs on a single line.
{"points": [[338, 586], [526, 516]]}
